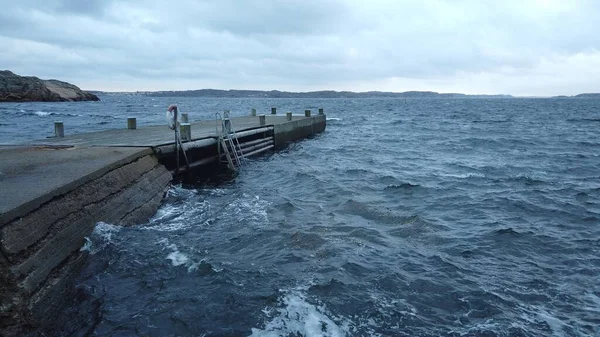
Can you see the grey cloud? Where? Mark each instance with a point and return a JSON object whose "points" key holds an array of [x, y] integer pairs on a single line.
{"points": [[242, 44], [87, 7], [268, 17]]}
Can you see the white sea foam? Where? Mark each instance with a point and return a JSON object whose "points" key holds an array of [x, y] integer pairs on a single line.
{"points": [[536, 314], [554, 323], [169, 227], [106, 230], [386, 305], [165, 212], [333, 119], [87, 245], [593, 301], [250, 210], [101, 237], [462, 175], [42, 113], [217, 191], [174, 217], [478, 327], [298, 317], [179, 191], [178, 258], [168, 218]]}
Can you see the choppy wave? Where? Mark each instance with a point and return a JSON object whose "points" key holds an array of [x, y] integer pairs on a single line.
{"points": [[583, 119], [403, 187], [101, 237], [46, 114], [298, 317], [492, 121], [462, 175], [103, 116]]}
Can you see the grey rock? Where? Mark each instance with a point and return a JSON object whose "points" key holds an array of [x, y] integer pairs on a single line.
{"points": [[15, 88]]}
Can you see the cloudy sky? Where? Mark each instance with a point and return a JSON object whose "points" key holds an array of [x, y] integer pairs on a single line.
{"points": [[521, 47]]}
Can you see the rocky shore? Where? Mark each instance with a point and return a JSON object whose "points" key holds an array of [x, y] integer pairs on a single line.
{"points": [[15, 88]]}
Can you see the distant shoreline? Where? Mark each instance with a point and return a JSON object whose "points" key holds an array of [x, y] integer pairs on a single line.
{"points": [[217, 93]]}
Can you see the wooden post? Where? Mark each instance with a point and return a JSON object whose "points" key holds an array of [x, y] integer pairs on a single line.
{"points": [[288, 116], [131, 123], [253, 112], [186, 131], [321, 112], [262, 119], [273, 111], [59, 129], [307, 113], [185, 118]]}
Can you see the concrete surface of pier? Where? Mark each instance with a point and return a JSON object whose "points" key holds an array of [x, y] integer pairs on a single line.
{"points": [[153, 136], [54, 191]]}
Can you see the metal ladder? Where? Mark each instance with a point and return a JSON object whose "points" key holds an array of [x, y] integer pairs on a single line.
{"points": [[228, 142]]}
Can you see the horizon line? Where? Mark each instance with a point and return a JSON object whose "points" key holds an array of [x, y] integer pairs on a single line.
{"points": [[343, 91]]}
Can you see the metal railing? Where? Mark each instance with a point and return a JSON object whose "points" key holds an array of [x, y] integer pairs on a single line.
{"points": [[228, 141]]}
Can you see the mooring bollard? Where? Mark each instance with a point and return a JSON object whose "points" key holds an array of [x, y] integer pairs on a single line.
{"points": [[185, 130], [262, 119], [253, 112], [59, 129], [288, 116], [273, 111], [321, 112], [226, 128], [131, 123], [307, 113], [185, 118]]}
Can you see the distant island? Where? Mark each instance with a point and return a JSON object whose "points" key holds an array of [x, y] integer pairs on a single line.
{"points": [[15, 88], [216, 93], [311, 94], [588, 95]]}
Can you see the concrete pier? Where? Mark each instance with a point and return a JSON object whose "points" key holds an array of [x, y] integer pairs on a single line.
{"points": [[54, 191]]}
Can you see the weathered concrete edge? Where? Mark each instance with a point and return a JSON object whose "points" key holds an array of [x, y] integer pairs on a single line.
{"points": [[35, 203], [17, 314]]}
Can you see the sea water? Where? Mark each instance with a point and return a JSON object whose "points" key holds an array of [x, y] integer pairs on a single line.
{"points": [[424, 217]]}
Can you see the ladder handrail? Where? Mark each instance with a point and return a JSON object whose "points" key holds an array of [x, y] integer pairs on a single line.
{"points": [[178, 143], [234, 140], [228, 139], [187, 163]]}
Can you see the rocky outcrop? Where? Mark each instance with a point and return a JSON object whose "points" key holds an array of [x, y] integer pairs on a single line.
{"points": [[15, 88]]}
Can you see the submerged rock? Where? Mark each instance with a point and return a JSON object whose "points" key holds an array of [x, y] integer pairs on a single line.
{"points": [[15, 88]]}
